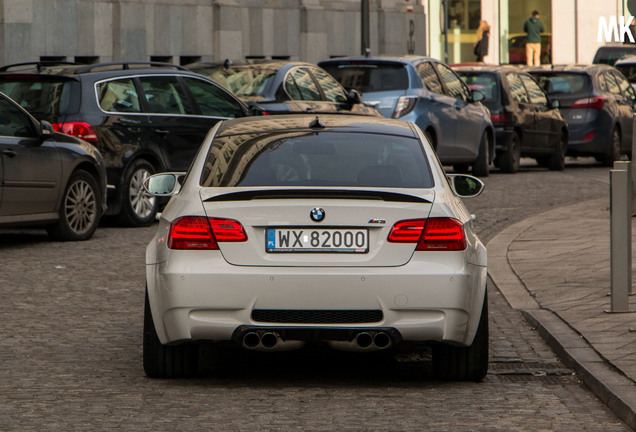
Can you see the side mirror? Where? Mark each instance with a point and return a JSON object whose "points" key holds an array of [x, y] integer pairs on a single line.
{"points": [[353, 97], [466, 186], [555, 104], [163, 184], [46, 129]]}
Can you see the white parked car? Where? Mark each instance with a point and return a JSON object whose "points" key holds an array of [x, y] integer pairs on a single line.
{"points": [[295, 229]]}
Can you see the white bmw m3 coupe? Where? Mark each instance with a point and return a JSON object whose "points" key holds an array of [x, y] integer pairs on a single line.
{"points": [[294, 230]]}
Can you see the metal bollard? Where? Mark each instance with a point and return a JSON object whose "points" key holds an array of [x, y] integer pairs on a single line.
{"points": [[620, 240], [633, 172]]}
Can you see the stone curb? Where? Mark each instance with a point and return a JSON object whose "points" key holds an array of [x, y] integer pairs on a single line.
{"points": [[610, 385]]}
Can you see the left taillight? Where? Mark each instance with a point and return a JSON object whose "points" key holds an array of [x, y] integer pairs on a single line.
{"points": [[405, 105], [430, 234], [80, 130], [197, 232]]}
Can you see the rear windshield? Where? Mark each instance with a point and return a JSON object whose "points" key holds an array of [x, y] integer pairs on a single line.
{"points": [[371, 77], [564, 83], [484, 82], [243, 82], [40, 97], [317, 159]]}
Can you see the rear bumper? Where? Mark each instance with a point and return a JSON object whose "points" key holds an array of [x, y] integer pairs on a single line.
{"points": [[421, 301]]}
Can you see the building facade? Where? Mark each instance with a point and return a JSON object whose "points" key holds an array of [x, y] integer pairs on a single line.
{"points": [[186, 31]]}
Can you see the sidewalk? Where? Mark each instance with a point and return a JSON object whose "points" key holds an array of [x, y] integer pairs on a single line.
{"points": [[555, 267]]}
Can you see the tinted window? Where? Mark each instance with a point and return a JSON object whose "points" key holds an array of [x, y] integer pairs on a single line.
{"points": [[318, 159], [454, 85], [118, 96], [565, 82], [625, 86], [40, 97], [370, 77], [306, 85], [333, 91], [517, 90], [429, 77], [165, 95], [484, 82], [610, 82], [534, 91], [213, 101], [629, 70], [243, 81], [13, 122]]}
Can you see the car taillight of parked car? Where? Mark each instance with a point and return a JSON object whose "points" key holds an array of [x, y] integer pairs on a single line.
{"points": [[430, 234], [498, 118], [591, 102], [80, 130], [405, 105], [197, 232]]}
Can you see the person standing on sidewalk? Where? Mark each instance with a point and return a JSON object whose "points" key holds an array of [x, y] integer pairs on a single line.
{"points": [[481, 46], [533, 28]]}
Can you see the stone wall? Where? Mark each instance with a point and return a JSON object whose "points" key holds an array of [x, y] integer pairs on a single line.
{"points": [[182, 31]]}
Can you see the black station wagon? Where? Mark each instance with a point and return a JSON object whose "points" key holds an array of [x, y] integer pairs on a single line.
{"points": [[143, 118]]}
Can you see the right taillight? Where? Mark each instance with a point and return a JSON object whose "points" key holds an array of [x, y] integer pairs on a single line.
{"points": [[405, 105], [80, 130], [198, 232], [591, 102], [430, 234]]}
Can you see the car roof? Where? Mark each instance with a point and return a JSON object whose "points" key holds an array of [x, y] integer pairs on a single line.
{"points": [[580, 68], [265, 64], [486, 68], [315, 123], [407, 59], [99, 69]]}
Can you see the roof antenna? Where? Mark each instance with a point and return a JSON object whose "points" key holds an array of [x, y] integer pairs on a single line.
{"points": [[316, 123], [227, 63]]}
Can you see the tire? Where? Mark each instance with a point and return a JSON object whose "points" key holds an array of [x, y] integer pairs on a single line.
{"points": [[557, 160], [138, 207], [461, 168], [166, 361], [509, 160], [614, 150], [481, 165], [79, 210], [451, 363]]}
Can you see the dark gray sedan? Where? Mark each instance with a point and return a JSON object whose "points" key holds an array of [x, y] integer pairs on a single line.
{"points": [[48, 179], [284, 87], [597, 102]]}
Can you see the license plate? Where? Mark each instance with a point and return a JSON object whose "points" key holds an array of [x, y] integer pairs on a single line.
{"points": [[333, 240]]}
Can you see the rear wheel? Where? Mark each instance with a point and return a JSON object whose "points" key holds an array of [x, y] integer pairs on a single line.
{"points": [[138, 207], [166, 361], [480, 166], [79, 210], [557, 160], [509, 160], [451, 363], [614, 150]]}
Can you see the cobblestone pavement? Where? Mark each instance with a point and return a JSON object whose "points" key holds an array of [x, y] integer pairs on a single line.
{"points": [[70, 356]]}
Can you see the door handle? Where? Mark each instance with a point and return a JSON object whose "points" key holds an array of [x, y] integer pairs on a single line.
{"points": [[10, 153], [161, 132]]}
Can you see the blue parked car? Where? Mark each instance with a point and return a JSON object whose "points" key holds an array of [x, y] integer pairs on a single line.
{"points": [[428, 93]]}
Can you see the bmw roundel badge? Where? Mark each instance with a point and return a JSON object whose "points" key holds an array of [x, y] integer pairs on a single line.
{"points": [[317, 214]]}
